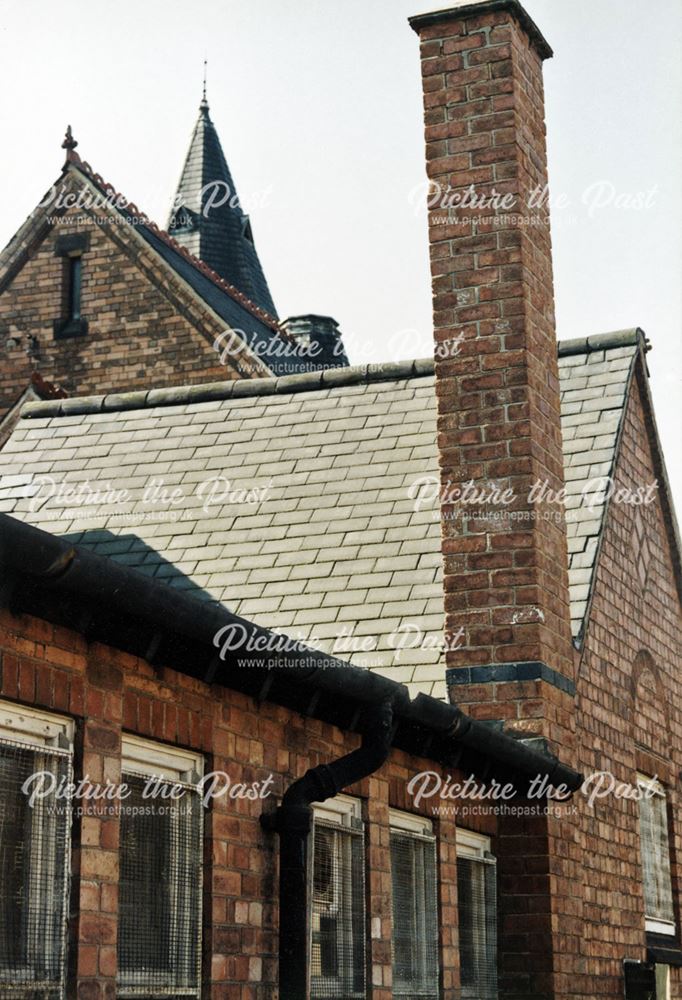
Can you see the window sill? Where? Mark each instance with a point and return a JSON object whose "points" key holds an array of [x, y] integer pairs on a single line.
{"points": [[66, 328], [660, 928]]}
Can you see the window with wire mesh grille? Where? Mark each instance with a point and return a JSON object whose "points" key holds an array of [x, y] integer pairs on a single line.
{"points": [[160, 874], [337, 920], [477, 906], [34, 853], [655, 850], [415, 908]]}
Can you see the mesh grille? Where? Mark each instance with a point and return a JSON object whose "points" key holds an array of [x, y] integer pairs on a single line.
{"points": [[338, 914], [159, 895], [415, 917], [658, 897], [34, 870], [477, 904]]}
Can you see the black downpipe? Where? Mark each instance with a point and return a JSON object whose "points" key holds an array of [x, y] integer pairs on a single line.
{"points": [[293, 822]]}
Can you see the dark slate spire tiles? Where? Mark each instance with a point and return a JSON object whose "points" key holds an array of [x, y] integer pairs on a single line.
{"points": [[208, 219]]}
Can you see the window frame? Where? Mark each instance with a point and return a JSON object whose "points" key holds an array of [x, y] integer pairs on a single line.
{"points": [[35, 727], [656, 925], [71, 248], [344, 813], [151, 759], [420, 829], [74, 287], [53, 735], [142, 758], [474, 846]]}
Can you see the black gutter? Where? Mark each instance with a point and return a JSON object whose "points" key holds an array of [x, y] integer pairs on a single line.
{"points": [[293, 822], [114, 604]]}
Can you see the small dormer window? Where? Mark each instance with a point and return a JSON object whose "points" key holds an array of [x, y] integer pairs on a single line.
{"points": [[246, 229], [183, 220], [71, 249]]}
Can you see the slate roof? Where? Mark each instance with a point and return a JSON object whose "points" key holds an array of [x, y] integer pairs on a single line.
{"points": [[36, 388], [208, 219], [334, 545], [595, 375], [258, 334]]}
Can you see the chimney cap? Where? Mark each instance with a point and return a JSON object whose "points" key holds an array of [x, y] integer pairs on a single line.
{"points": [[467, 8], [310, 317]]}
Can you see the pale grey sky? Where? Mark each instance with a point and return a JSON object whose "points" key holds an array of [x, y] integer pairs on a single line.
{"points": [[318, 105]]}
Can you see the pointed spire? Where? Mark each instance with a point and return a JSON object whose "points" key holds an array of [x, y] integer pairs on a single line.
{"points": [[207, 217]]}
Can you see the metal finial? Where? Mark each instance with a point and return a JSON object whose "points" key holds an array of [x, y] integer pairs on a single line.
{"points": [[69, 141], [204, 102]]}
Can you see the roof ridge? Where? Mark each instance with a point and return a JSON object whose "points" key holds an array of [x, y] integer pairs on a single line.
{"points": [[330, 378], [605, 341], [170, 241]]}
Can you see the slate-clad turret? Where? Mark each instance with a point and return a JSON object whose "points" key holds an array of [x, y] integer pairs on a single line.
{"points": [[208, 219]]}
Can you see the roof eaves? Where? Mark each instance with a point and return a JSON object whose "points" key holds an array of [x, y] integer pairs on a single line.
{"points": [[40, 567]]}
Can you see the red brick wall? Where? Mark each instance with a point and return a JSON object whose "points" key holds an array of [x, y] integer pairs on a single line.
{"points": [[145, 330], [498, 398], [629, 717], [505, 575], [109, 692]]}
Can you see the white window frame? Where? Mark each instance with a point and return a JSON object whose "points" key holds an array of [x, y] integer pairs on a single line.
{"points": [[37, 730], [406, 822], [20, 724], [472, 845], [159, 760], [655, 925], [174, 765], [476, 847], [419, 828], [345, 812]]}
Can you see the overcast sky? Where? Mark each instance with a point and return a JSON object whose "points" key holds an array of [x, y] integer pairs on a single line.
{"points": [[318, 105]]}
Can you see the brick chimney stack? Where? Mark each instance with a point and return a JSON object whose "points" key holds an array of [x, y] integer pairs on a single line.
{"points": [[505, 555]]}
